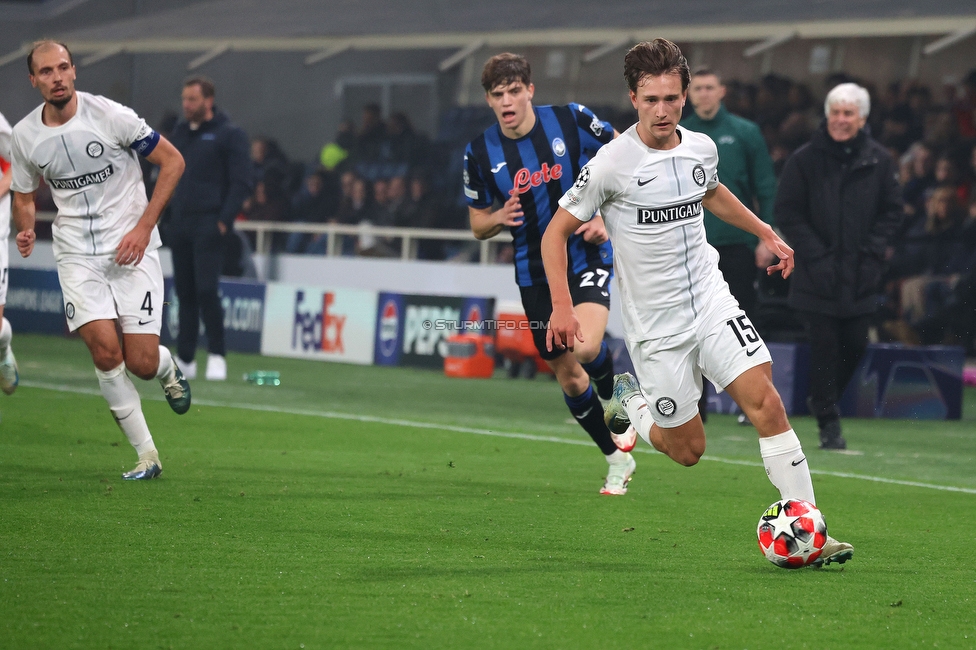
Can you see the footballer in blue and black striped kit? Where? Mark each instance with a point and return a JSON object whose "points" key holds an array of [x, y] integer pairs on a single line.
{"points": [[538, 168], [525, 163]]}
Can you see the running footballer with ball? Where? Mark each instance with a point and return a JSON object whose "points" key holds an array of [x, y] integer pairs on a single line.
{"points": [[680, 320]]}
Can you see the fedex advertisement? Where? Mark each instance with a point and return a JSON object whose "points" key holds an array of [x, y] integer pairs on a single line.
{"points": [[319, 323], [412, 330]]}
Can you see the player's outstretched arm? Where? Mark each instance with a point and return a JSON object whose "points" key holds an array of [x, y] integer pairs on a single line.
{"points": [[564, 328], [23, 219], [133, 245], [724, 205], [485, 224]]}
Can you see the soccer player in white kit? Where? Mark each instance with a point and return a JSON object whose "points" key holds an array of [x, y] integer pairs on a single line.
{"points": [[680, 320], [9, 378], [105, 237]]}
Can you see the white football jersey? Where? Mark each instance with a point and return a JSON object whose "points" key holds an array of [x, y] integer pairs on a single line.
{"points": [[5, 135], [94, 176], [651, 203]]}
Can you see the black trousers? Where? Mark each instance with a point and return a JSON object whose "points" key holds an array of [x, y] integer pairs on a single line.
{"points": [[737, 262], [197, 261], [836, 347]]}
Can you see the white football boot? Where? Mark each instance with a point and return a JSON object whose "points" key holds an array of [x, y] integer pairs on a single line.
{"points": [[618, 476], [834, 551], [625, 441], [9, 373]]}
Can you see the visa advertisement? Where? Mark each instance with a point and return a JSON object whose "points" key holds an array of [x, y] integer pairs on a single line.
{"points": [[412, 330], [319, 323], [243, 304]]}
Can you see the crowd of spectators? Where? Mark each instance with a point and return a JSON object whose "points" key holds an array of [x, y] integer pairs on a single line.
{"points": [[930, 287], [376, 175], [384, 173]]}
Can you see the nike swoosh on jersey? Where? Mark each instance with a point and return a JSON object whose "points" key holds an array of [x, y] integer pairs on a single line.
{"points": [[583, 414], [797, 462], [145, 322], [641, 183], [497, 168], [44, 165], [749, 353]]}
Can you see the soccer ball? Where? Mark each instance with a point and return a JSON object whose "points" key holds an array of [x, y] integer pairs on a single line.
{"points": [[792, 533]]}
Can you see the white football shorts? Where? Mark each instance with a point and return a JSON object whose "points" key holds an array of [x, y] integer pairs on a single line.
{"points": [[96, 288], [722, 346]]}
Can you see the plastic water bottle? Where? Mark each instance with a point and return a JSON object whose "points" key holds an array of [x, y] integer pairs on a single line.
{"points": [[264, 377]]}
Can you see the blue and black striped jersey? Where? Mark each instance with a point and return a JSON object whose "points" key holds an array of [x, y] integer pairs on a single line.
{"points": [[540, 167]]}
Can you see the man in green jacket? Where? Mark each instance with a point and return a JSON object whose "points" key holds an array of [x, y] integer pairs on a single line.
{"points": [[744, 166]]}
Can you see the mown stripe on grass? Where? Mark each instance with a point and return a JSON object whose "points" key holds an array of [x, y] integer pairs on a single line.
{"points": [[335, 415]]}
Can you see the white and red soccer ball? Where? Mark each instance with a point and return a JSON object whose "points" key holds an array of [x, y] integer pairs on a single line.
{"points": [[792, 533]]}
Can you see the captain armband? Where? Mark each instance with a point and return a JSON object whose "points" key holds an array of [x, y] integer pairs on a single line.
{"points": [[145, 142]]}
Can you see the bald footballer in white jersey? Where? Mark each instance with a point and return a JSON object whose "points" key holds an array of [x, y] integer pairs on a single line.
{"points": [[680, 320], [9, 377], [85, 147]]}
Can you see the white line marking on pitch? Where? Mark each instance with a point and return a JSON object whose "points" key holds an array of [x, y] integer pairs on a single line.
{"points": [[334, 415]]}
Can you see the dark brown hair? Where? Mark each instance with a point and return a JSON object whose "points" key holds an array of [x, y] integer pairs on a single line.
{"points": [[704, 71], [657, 57], [44, 43], [207, 87], [504, 69]]}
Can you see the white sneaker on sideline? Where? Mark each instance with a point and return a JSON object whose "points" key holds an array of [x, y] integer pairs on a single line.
{"points": [[189, 368], [618, 476], [216, 367]]}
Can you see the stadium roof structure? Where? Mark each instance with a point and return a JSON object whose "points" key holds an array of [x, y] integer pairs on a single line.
{"points": [[325, 28]]}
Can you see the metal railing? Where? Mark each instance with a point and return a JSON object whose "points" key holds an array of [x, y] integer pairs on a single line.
{"points": [[334, 232]]}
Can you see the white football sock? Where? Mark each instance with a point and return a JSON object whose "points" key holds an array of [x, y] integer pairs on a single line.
{"points": [[6, 333], [787, 467], [617, 458], [640, 416], [164, 372], [123, 400]]}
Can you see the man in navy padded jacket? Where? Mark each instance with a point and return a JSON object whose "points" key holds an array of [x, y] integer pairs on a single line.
{"points": [[202, 212]]}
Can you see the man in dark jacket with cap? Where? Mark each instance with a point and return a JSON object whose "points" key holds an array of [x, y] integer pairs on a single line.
{"points": [[838, 205], [215, 184]]}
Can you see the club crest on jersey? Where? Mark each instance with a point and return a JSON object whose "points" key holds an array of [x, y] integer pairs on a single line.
{"points": [[94, 149], [559, 147], [466, 177], [525, 180], [698, 175], [69, 310], [666, 406]]}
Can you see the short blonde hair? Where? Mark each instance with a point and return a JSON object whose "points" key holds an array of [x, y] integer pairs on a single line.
{"points": [[849, 93]]}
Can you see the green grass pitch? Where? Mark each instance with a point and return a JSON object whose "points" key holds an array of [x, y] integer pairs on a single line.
{"points": [[367, 507]]}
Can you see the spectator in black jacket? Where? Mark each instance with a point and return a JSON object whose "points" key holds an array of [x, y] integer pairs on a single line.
{"points": [[838, 205], [215, 184]]}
